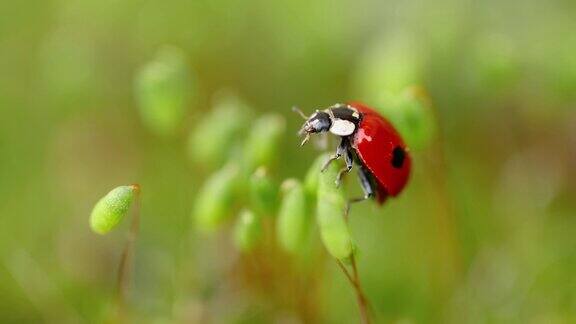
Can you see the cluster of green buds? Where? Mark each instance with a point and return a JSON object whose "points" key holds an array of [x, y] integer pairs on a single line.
{"points": [[294, 207], [243, 181]]}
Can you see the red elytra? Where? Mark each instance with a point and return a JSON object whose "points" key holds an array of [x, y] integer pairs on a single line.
{"points": [[376, 142]]}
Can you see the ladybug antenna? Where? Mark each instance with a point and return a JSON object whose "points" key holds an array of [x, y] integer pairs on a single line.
{"points": [[306, 138], [299, 112], [303, 131]]}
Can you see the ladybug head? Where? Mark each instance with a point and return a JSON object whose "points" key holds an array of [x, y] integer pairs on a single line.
{"points": [[319, 122]]}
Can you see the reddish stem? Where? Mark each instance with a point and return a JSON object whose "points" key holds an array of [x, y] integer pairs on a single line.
{"points": [[126, 260]]}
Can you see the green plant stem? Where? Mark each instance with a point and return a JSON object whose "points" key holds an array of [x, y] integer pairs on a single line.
{"points": [[363, 304], [126, 260], [354, 279]]}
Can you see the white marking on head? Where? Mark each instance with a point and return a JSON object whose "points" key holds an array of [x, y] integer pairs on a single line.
{"points": [[342, 127], [315, 123]]}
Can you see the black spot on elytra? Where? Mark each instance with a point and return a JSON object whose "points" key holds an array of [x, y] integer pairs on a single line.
{"points": [[398, 157]]}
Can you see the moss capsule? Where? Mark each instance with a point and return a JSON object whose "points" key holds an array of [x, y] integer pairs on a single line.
{"points": [[263, 141], [214, 201], [112, 208], [331, 206], [162, 90], [294, 221], [248, 231], [263, 193]]}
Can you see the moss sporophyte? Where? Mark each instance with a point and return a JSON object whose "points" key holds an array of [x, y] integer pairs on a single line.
{"points": [[107, 215]]}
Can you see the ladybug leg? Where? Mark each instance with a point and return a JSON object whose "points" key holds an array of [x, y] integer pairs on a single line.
{"points": [[327, 163], [367, 187], [346, 169], [341, 150], [366, 184]]}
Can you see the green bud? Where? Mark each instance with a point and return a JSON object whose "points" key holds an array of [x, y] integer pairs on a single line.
{"points": [[111, 209], [495, 65], [294, 223], [248, 231], [413, 116], [263, 193], [388, 67], [312, 177], [331, 207], [212, 139], [162, 90], [263, 141], [214, 201]]}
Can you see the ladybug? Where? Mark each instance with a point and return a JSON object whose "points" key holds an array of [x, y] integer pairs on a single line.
{"points": [[367, 139]]}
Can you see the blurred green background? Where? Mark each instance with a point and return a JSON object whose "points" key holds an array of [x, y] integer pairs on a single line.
{"points": [[484, 233]]}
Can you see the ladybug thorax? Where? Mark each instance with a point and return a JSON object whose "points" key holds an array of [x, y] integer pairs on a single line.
{"points": [[344, 119]]}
